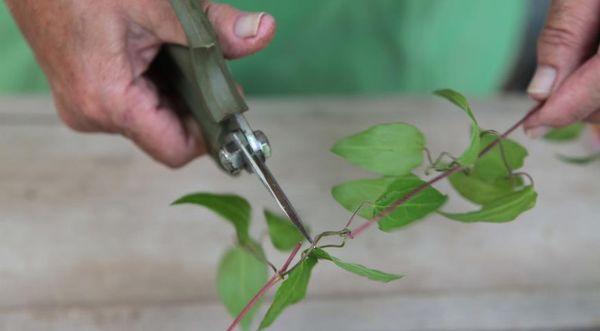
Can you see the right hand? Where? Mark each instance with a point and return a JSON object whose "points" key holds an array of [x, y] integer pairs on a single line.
{"points": [[567, 78], [95, 55]]}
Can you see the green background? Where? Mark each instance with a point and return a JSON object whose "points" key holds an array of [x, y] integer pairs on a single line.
{"points": [[352, 46]]}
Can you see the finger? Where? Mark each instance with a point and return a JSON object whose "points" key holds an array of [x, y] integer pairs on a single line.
{"points": [[240, 33], [577, 98], [156, 128], [81, 116], [594, 118], [595, 137], [567, 40]]}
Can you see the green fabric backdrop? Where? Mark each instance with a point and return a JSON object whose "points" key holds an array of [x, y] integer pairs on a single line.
{"points": [[352, 46]]}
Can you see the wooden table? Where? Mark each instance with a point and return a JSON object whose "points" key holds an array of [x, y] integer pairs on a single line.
{"points": [[88, 240]]}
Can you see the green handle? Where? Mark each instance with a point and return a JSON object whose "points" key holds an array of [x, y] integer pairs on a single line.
{"points": [[201, 77]]}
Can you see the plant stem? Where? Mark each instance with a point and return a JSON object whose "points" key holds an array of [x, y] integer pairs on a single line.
{"points": [[439, 177], [276, 277], [402, 200], [377, 218]]}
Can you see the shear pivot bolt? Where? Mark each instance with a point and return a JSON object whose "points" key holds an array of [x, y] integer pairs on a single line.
{"points": [[263, 141]]}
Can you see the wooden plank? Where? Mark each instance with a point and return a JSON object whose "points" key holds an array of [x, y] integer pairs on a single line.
{"points": [[85, 221], [477, 311]]}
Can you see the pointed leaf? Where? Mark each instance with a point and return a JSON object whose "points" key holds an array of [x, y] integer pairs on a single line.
{"points": [[417, 207], [240, 276], [361, 193], [291, 291], [388, 149], [491, 166], [469, 156], [582, 160], [284, 235], [501, 210], [458, 99], [567, 133], [489, 178], [357, 269], [231, 207], [481, 191]]}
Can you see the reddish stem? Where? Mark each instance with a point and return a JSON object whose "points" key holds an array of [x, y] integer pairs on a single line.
{"points": [[285, 266], [401, 201], [441, 176], [377, 218], [276, 277]]}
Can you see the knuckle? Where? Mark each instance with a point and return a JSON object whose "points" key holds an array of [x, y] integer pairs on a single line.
{"points": [[64, 110], [70, 121], [90, 104], [85, 100], [217, 12], [558, 36]]}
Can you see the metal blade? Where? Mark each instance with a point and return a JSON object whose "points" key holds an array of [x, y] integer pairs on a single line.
{"points": [[265, 176]]}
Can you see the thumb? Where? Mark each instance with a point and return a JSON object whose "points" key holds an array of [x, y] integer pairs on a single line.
{"points": [[240, 33], [567, 40], [576, 99]]}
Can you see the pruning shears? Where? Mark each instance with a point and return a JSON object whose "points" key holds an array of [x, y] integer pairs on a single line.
{"points": [[199, 76]]}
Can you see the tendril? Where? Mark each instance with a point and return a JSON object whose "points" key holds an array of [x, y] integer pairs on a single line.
{"points": [[526, 175], [501, 149], [360, 207], [437, 165]]}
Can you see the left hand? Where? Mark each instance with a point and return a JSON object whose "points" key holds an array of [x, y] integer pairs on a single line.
{"points": [[568, 69]]}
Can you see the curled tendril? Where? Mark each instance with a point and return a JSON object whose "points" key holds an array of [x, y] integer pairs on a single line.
{"points": [[502, 150], [360, 207], [439, 165], [524, 174]]}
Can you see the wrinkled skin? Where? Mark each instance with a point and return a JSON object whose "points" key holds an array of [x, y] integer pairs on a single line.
{"points": [[568, 75], [95, 55]]}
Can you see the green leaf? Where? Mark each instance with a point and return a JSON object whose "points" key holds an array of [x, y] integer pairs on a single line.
{"points": [[387, 149], [457, 99], [491, 165], [415, 208], [504, 209], [482, 191], [291, 291], [567, 133], [240, 277], [363, 192], [489, 179], [582, 160], [469, 156], [284, 235], [233, 208], [357, 269]]}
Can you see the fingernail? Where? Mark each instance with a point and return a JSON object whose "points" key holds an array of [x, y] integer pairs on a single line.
{"points": [[537, 132], [542, 82], [247, 25]]}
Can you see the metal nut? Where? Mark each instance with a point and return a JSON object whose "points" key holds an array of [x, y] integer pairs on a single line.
{"points": [[265, 147]]}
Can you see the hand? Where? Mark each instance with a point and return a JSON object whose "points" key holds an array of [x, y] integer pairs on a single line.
{"points": [[568, 72], [95, 55]]}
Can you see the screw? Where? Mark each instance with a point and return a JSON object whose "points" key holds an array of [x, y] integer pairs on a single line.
{"points": [[265, 147]]}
